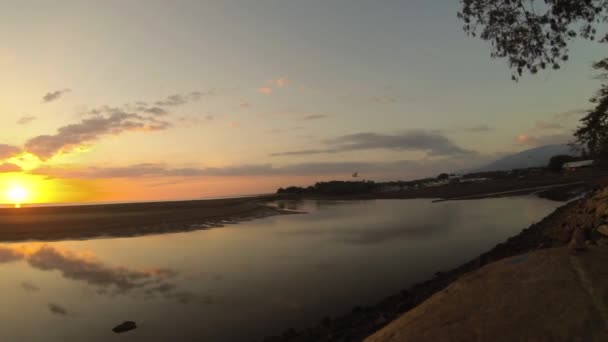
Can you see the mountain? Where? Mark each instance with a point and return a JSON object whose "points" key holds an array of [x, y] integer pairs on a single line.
{"points": [[535, 157]]}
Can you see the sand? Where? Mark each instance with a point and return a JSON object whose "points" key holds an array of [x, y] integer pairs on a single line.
{"points": [[123, 220]]}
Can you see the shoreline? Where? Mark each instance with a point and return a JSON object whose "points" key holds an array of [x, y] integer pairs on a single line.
{"points": [[552, 189], [555, 230], [128, 220]]}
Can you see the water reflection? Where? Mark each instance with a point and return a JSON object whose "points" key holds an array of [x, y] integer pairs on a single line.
{"points": [[242, 282], [86, 267]]}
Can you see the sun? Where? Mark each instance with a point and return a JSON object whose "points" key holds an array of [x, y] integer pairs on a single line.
{"points": [[17, 195]]}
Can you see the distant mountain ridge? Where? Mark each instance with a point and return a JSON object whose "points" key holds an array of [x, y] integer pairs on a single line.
{"points": [[535, 157]]}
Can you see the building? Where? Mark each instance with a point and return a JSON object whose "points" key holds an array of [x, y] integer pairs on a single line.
{"points": [[577, 165]]}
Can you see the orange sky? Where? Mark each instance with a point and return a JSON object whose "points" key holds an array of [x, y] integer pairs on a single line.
{"points": [[217, 98]]}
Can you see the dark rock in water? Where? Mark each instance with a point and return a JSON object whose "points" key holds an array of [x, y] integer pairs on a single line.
{"points": [[124, 327]]}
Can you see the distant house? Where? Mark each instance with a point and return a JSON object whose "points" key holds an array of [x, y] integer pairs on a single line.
{"points": [[578, 164], [473, 180]]}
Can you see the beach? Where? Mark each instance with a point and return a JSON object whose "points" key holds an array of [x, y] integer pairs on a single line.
{"points": [[126, 219]]}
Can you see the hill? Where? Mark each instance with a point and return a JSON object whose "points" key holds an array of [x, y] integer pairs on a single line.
{"points": [[535, 157]]}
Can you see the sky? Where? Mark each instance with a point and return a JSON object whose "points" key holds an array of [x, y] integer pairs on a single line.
{"points": [[159, 100]]}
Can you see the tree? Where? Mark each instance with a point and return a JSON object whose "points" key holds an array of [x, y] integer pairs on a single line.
{"points": [[556, 163], [443, 176], [534, 35], [593, 132]]}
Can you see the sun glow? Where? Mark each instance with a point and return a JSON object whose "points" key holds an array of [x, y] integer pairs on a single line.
{"points": [[17, 194]]}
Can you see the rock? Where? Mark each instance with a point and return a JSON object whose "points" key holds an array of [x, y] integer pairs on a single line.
{"points": [[601, 209], [577, 242], [603, 229], [124, 327]]}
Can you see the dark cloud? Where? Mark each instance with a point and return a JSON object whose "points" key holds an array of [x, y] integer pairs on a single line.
{"points": [[24, 120], [106, 121], [315, 117], [54, 95], [57, 309], [433, 143], [8, 151], [479, 129], [8, 167]]}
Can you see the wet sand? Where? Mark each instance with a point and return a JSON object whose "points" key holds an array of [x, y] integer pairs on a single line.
{"points": [[124, 220]]}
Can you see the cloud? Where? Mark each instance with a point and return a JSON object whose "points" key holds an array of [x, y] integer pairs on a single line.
{"points": [[433, 143], [8, 167], [553, 139], [195, 119], [280, 82], [383, 99], [24, 120], [113, 122], [159, 170], [29, 287], [179, 99], [153, 110], [315, 117], [54, 95], [571, 113], [57, 309], [544, 125], [265, 90], [479, 128], [8, 151]]}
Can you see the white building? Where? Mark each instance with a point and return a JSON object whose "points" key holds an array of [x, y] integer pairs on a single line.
{"points": [[577, 165]]}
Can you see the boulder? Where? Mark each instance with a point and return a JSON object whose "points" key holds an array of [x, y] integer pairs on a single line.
{"points": [[577, 242]]}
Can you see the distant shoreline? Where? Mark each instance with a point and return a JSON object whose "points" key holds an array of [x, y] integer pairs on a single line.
{"points": [[55, 223]]}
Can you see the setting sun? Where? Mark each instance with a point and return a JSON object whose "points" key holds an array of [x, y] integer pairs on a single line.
{"points": [[17, 195]]}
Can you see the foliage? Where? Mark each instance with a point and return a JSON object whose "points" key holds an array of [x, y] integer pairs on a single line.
{"points": [[443, 176], [557, 162], [593, 132], [333, 188], [532, 34]]}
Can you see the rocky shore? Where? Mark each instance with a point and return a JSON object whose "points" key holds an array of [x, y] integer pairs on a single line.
{"points": [[577, 224]]}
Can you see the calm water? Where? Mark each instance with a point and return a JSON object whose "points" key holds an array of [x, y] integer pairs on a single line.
{"points": [[242, 282]]}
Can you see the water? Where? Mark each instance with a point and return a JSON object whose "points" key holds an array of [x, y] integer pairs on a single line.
{"points": [[242, 282]]}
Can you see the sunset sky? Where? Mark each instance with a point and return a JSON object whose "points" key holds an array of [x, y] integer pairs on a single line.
{"points": [[150, 100]]}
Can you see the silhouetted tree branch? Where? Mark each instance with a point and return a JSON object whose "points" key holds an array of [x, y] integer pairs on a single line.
{"points": [[532, 34]]}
